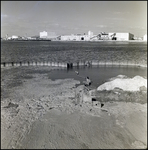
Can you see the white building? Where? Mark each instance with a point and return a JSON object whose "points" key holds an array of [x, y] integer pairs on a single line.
{"points": [[101, 36], [121, 36], [145, 37], [9, 38], [43, 34], [90, 34], [14, 37], [70, 37], [75, 37]]}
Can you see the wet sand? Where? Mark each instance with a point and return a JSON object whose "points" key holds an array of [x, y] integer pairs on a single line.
{"points": [[37, 112]]}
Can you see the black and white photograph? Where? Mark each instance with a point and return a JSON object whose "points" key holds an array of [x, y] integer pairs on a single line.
{"points": [[73, 74]]}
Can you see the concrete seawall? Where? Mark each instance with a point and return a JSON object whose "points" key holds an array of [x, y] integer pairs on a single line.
{"points": [[72, 64]]}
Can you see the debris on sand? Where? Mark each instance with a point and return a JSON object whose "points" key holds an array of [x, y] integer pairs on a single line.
{"points": [[11, 105]]}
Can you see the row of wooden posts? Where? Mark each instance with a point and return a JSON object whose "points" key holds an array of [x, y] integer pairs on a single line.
{"points": [[68, 65]]}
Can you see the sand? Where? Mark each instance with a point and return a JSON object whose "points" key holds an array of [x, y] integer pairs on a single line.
{"points": [[39, 113], [124, 83]]}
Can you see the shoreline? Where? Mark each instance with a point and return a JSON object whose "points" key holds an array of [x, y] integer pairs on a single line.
{"points": [[50, 40], [71, 65]]}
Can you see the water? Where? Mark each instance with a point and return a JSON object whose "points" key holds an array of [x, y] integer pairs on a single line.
{"points": [[55, 51], [98, 75], [16, 51]]}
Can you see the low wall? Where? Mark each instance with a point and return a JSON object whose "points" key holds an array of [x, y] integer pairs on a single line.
{"points": [[72, 64]]}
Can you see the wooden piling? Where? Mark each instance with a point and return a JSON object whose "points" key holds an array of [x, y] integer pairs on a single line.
{"points": [[64, 64], [108, 63], [48, 63], [123, 63], [74, 64], [10, 64], [34, 63], [130, 63], [24, 64], [6, 64], [38, 63], [115, 63], [68, 65], [52, 64], [41, 63], [14, 64], [2, 64], [27, 63], [45, 63], [30, 63], [95, 63], [56, 64], [17, 64], [71, 65], [101, 63], [81, 63]]}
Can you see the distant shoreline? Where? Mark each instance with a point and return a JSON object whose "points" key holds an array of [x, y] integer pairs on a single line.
{"points": [[80, 41]]}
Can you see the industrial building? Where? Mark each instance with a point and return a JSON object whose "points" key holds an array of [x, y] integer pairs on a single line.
{"points": [[90, 34], [100, 36], [43, 34], [145, 37], [13, 37], [47, 35], [120, 36], [77, 37]]}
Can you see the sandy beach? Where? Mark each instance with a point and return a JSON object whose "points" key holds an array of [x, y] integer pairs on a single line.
{"points": [[38, 113]]}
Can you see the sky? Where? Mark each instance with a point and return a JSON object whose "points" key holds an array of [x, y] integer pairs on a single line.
{"points": [[73, 17]]}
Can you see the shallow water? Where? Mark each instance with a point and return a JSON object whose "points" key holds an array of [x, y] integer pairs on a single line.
{"points": [[98, 74]]}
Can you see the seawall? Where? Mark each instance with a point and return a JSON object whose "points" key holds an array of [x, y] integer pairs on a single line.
{"points": [[72, 64]]}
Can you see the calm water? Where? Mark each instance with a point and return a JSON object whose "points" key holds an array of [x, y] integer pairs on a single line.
{"points": [[16, 51], [98, 74]]}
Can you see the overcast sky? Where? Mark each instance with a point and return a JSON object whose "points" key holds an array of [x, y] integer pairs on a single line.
{"points": [[73, 17]]}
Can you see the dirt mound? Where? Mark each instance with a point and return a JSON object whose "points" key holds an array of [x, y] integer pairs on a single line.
{"points": [[126, 84]]}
